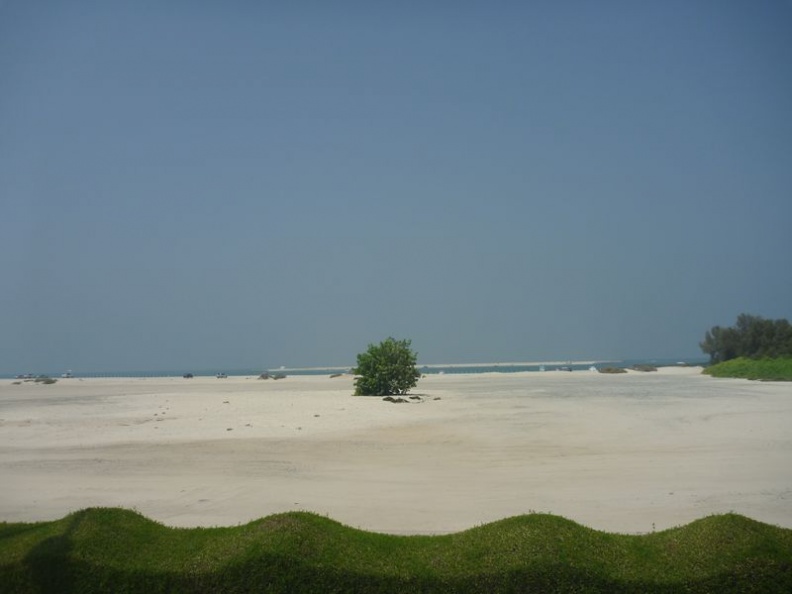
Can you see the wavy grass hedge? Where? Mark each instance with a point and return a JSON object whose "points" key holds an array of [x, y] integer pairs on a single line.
{"points": [[115, 550]]}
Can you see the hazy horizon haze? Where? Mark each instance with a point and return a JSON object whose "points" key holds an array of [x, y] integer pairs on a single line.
{"points": [[244, 185]]}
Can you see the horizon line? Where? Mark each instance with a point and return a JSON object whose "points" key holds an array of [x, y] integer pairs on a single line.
{"points": [[248, 370]]}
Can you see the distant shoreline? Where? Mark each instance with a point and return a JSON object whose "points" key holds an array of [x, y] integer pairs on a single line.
{"points": [[456, 365], [511, 364], [316, 370]]}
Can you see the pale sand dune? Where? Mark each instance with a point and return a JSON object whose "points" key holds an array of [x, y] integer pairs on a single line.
{"points": [[619, 453]]}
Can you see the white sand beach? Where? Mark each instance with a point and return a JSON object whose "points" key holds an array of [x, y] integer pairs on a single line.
{"points": [[626, 453]]}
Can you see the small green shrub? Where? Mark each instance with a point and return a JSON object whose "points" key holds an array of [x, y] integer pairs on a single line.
{"points": [[386, 369], [612, 370]]}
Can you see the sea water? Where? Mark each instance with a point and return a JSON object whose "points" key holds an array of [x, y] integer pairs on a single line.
{"points": [[424, 369]]}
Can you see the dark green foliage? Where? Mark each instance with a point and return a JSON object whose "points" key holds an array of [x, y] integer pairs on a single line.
{"points": [[386, 369], [114, 550], [612, 370], [752, 337], [755, 369]]}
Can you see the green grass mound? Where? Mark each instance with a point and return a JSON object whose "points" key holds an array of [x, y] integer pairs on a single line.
{"points": [[754, 369], [114, 550], [612, 370]]}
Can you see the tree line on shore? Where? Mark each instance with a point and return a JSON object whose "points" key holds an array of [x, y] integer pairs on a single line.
{"points": [[752, 337]]}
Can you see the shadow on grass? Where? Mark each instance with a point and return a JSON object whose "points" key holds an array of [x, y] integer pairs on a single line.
{"points": [[48, 564], [280, 574]]}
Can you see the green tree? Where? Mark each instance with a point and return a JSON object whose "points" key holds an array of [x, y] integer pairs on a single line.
{"points": [[385, 369], [752, 336]]}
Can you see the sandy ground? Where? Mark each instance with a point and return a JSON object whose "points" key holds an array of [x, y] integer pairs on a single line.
{"points": [[627, 453]]}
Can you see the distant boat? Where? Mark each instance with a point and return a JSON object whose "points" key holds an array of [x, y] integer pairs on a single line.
{"points": [[67, 374]]}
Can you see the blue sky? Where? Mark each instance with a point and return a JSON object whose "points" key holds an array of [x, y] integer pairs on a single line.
{"points": [[206, 185]]}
